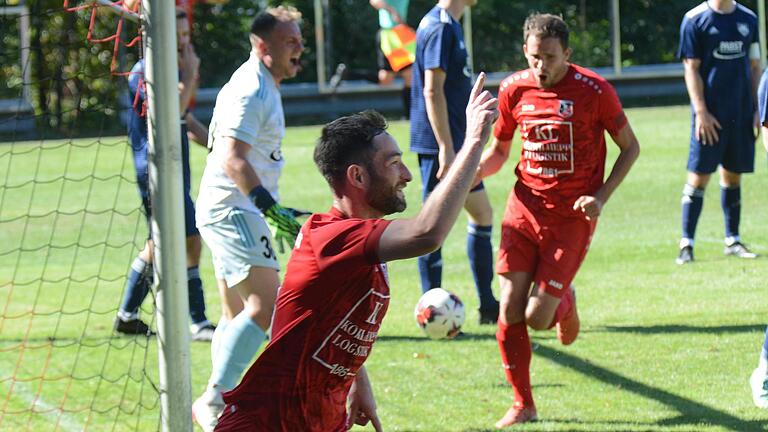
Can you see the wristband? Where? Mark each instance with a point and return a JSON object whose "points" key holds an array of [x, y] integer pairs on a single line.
{"points": [[261, 197]]}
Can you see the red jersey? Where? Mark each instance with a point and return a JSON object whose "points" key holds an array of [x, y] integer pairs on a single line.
{"points": [[327, 317], [563, 151]]}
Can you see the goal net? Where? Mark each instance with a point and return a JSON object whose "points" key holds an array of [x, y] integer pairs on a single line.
{"points": [[70, 223]]}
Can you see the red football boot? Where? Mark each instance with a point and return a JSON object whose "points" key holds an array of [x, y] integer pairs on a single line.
{"points": [[517, 414], [568, 325]]}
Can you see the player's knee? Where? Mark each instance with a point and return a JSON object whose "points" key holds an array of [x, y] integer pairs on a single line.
{"points": [[146, 253], [538, 316], [730, 180], [479, 209], [511, 313], [261, 314], [698, 180], [538, 321], [482, 218]]}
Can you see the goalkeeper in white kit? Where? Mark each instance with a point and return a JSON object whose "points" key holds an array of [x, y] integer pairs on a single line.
{"points": [[238, 198]]}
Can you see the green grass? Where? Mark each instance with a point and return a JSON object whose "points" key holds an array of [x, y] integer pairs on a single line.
{"points": [[663, 348]]}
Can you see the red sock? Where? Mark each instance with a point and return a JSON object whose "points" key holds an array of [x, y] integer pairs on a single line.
{"points": [[565, 306], [515, 348]]}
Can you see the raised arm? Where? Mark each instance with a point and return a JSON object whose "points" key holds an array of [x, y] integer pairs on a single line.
{"points": [[407, 238], [189, 66], [383, 4]]}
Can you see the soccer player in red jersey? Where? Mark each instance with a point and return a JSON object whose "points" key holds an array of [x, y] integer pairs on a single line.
{"points": [[336, 289], [562, 111]]}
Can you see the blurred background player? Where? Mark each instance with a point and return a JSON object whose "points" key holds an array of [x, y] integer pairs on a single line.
{"points": [[562, 111], [395, 45], [721, 56], [336, 289], [238, 192], [140, 276], [442, 79], [759, 379], [395, 51]]}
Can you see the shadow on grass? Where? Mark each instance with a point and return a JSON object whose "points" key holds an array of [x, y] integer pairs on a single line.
{"points": [[464, 337], [578, 425], [676, 328], [692, 413]]}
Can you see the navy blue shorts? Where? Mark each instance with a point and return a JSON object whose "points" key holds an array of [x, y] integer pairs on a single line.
{"points": [[428, 165], [141, 164], [735, 150]]}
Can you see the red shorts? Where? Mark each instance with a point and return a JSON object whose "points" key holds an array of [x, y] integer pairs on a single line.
{"points": [[549, 246]]}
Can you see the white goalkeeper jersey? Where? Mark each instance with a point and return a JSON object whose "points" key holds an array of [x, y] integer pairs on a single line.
{"points": [[248, 108]]}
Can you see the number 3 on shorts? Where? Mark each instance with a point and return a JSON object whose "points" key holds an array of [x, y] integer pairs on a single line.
{"points": [[268, 252]]}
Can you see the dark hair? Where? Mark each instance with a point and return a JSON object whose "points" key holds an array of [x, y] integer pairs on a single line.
{"points": [[347, 141], [545, 26], [180, 14], [266, 20]]}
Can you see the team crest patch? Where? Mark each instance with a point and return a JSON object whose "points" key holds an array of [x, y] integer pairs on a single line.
{"points": [[743, 29], [566, 108]]}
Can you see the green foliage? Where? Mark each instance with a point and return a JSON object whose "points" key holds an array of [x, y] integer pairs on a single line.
{"points": [[72, 86], [71, 79], [650, 30]]}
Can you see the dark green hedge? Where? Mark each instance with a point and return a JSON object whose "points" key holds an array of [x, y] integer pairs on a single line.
{"points": [[72, 85], [649, 32]]}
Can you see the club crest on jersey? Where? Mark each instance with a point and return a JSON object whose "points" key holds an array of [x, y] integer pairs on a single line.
{"points": [[743, 29], [276, 155], [566, 108]]}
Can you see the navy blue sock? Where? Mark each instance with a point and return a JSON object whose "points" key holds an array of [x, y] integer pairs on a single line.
{"points": [[480, 253], [693, 201], [137, 287], [196, 295], [730, 201], [431, 270]]}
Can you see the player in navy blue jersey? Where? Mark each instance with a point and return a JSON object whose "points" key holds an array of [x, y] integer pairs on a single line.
{"points": [[441, 83], [140, 275], [721, 55]]}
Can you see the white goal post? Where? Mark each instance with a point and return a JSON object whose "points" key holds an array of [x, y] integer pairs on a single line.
{"points": [[166, 189]]}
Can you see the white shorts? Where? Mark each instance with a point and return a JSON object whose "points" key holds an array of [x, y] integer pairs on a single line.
{"points": [[239, 241]]}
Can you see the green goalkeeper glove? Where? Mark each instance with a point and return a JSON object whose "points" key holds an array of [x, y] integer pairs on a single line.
{"points": [[284, 225]]}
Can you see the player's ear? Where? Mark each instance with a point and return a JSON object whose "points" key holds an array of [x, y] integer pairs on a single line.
{"points": [[257, 43], [356, 176], [568, 52]]}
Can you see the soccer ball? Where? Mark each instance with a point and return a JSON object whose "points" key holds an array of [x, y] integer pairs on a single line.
{"points": [[440, 314]]}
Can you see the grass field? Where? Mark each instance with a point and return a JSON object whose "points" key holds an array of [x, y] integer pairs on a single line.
{"points": [[662, 348]]}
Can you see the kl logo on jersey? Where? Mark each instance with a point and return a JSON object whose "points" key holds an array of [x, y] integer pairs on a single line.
{"points": [[566, 108]]}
